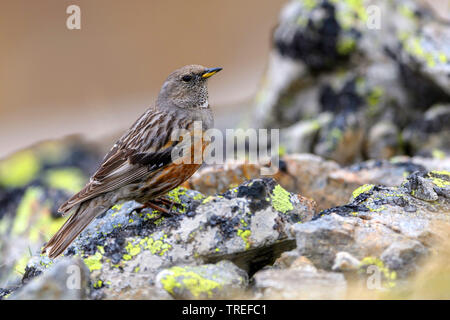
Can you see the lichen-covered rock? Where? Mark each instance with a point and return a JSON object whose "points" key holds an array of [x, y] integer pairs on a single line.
{"points": [[344, 80], [424, 61], [33, 183], [314, 38], [326, 182], [219, 178], [220, 280], [250, 224], [391, 224], [67, 279]]}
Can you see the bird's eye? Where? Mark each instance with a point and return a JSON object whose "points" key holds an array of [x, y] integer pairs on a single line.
{"points": [[186, 78]]}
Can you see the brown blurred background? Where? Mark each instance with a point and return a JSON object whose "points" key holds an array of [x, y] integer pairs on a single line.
{"points": [[96, 81]]}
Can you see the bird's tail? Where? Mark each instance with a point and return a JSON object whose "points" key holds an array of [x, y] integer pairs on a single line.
{"points": [[77, 222]]}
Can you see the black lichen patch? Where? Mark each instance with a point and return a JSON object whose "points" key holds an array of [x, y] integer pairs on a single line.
{"points": [[345, 210], [337, 101], [227, 227], [9, 200], [432, 125], [30, 273], [424, 93], [412, 181], [315, 43], [4, 292], [257, 194]]}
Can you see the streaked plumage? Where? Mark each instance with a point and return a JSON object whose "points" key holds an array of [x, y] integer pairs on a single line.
{"points": [[140, 165]]}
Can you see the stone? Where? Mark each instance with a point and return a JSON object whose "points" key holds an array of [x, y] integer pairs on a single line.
{"points": [[209, 281], [299, 284], [126, 248], [67, 279], [379, 223]]}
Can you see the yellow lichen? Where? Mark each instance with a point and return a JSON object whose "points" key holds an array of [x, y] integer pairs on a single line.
{"points": [[245, 235], [19, 169], [281, 199], [195, 283], [362, 189], [69, 179]]}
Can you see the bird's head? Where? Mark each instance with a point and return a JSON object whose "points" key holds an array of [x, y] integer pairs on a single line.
{"points": [[186, 87]]}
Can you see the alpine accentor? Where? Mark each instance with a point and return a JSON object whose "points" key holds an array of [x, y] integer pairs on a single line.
{"points": [[140, 166]]}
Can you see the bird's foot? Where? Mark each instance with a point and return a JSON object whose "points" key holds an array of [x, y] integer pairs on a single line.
{"points": [[158, 203]]}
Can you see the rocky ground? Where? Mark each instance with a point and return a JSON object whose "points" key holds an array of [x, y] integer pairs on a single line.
{"points": [[359, 208], [235, 234]]}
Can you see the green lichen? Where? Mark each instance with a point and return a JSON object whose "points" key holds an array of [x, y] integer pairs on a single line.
{"points": [[21, 264], [245, 235], [25, 210], [175, 194], [19, 169], [117, 207], [133, 249], [281, 199], [195, 283], [207, 199], [98, 284], [388, 275], [438, 154], [437, 180], [94, 262], [362, 189], [374, 96], [69, 179], [346, 45], [413, 45]]}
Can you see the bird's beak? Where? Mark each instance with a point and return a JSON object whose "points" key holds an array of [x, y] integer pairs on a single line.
{"points": [[210, 72]]}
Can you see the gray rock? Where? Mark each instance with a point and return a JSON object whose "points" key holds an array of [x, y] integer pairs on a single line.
{"points": [[297, 283], [424, 64], [383, 141], [403, 256], [249, 225], [377, 218], [67, 279], [213, 281]]}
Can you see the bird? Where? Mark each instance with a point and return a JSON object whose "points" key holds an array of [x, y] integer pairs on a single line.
{"points": [[143, 164]]}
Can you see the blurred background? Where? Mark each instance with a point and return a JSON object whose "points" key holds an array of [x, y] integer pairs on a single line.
{"points": [[376, 102], [96, 81]]}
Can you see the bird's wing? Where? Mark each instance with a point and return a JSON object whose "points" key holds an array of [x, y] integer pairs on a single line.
{"points": [[145, 147]]}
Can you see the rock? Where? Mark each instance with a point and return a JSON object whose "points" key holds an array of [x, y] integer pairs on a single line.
{"points": [[249, 225], [324, 181], [33, 183], [423, 58], [314, 38], [380, 222], [333, 88], [383, 141], [344, 261], [220, 280], [403, 255], [67, 279], [312, 174], [219, 178], [430, 135], [298, 283], [301, 137]]}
